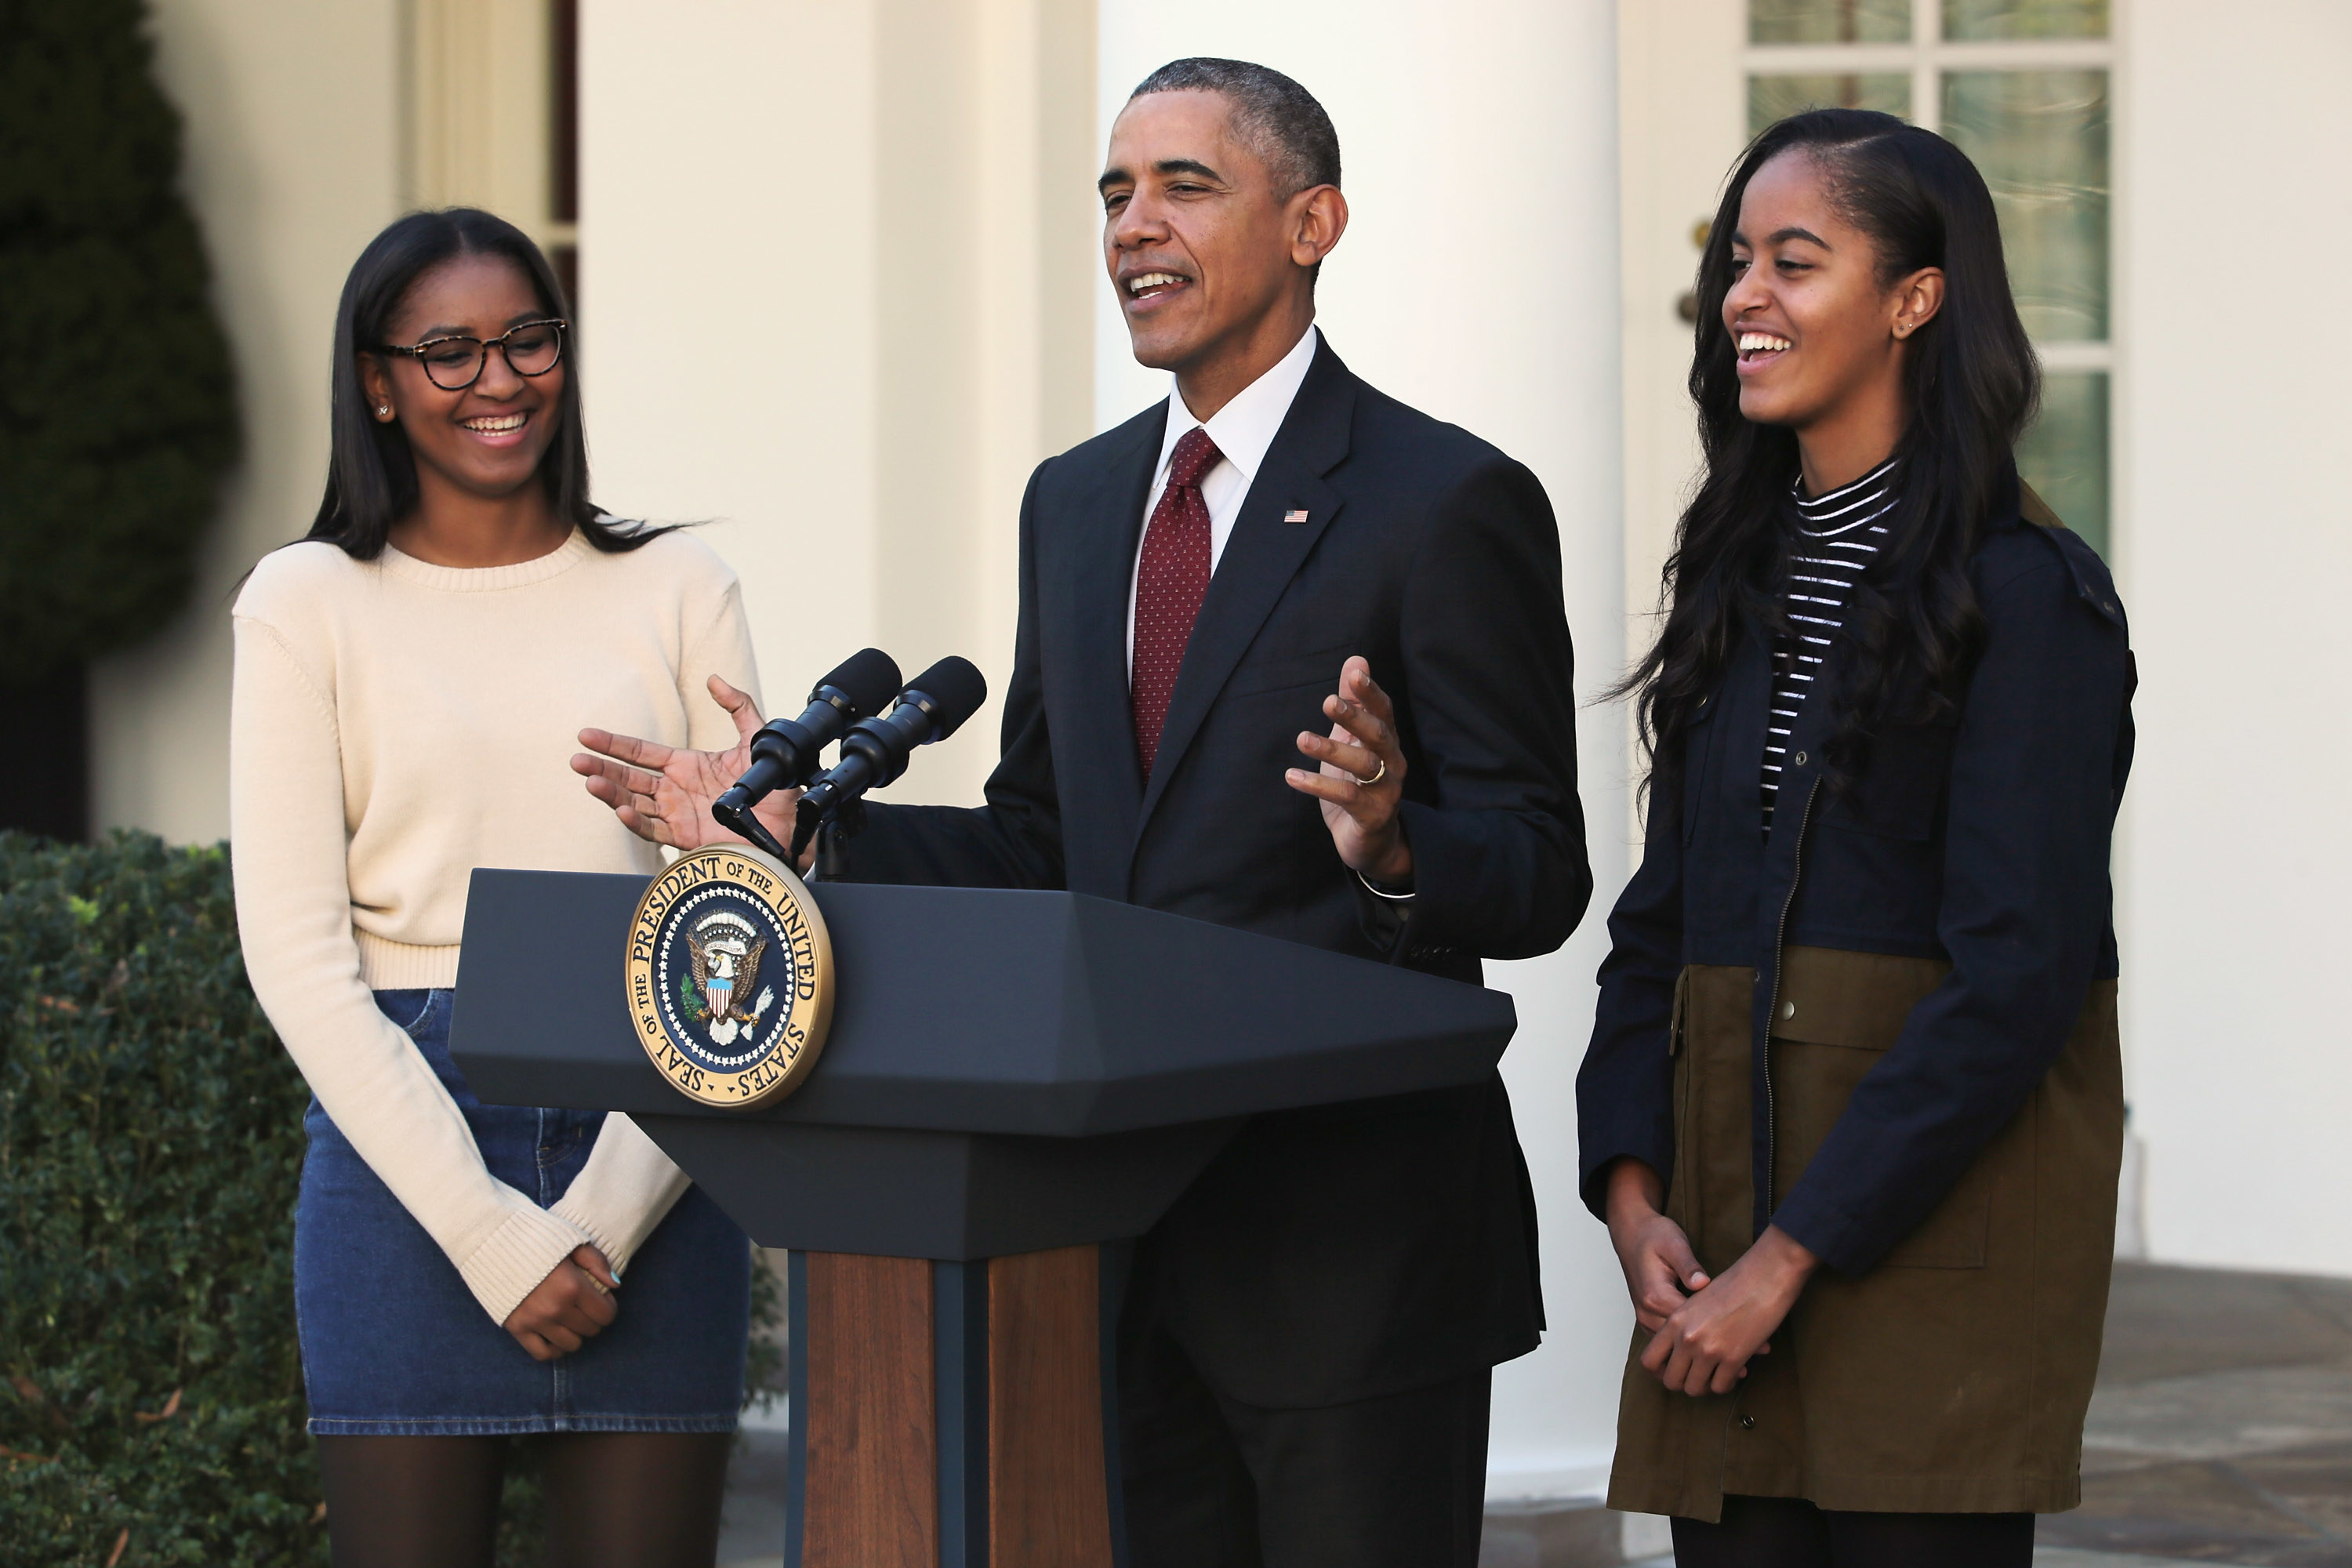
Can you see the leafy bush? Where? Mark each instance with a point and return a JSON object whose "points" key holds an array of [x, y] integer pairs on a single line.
{"points": [[151, 1141], [151, 1136], [117, 412]]}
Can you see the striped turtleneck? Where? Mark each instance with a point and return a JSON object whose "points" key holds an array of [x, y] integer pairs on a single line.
{"points": [[1837, 534]]}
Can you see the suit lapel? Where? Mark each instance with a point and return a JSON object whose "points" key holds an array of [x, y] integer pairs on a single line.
{"points": [[1261, 556], [1111, 514]]}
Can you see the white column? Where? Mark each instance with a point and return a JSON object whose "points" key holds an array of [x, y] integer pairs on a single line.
{"points": [[728, 280], [1478, 282], [831, 265], [2234, 541]]}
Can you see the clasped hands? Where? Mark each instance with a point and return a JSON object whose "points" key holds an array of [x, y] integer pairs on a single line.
{"points": [[1703, 1330], [665, 793], [571, 1306]]}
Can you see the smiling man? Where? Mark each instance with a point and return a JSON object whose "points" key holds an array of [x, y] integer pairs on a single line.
{"points": [[1291, 657]]}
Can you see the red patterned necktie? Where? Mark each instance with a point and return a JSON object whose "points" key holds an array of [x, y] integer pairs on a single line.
{"points": [[1169, 584]]}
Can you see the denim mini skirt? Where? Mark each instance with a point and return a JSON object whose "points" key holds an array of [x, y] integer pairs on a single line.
{"points": [[395, 1344]]}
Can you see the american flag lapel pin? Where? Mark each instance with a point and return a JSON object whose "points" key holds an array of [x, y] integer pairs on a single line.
{"points": [[1298, 514]]}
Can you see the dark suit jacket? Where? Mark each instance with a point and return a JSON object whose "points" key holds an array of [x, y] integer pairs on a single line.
{"points": [[1349, 1251]]}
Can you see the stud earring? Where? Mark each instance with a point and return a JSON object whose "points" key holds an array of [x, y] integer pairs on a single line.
{"points": [[384, 410]]}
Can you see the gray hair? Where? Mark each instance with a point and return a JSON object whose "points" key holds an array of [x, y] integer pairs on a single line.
{"points": [[1279, 118]]}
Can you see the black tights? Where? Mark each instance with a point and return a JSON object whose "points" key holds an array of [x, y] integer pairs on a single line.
{"points": [[615, 1499], [1788, 1532]]}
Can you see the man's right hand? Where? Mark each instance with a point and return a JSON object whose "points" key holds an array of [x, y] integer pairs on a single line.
{"points": [[1661, 1272], [665, 794]]}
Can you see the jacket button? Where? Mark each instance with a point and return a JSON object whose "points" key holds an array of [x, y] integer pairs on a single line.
{"points": [[1787, 1009], [1799, 759], [1747, 1424]]}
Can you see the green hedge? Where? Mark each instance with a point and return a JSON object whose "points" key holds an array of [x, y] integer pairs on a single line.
{"points": [[151, 1138]]}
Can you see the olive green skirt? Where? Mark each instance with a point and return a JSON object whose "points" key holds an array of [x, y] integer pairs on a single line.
{"points": [[1952, 1378]]}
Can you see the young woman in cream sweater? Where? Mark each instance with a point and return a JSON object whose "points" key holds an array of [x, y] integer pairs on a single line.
{"points": [[409, 680]]}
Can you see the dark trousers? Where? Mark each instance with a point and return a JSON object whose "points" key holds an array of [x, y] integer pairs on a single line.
{"points": [[1790, 1533], [1398, 1481]]}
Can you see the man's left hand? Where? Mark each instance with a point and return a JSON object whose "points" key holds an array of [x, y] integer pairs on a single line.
{"points": [[665, 793], [1361, 779]]}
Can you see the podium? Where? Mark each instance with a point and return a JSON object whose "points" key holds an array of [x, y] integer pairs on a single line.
{"points": [[1011, 1080]]}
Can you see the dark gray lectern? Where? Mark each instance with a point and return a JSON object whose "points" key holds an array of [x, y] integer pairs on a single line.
{"points": [[1011, 1079]]}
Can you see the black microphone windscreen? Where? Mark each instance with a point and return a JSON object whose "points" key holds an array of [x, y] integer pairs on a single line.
{"points": [[869, 676], [956, 689]]}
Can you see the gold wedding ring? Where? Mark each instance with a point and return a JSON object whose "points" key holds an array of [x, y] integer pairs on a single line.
{"points": [[1378, 774]]}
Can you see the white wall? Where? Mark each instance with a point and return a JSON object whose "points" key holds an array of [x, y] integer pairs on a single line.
{"points": [[292, 164], [2233, 535], [1478, 282], [833, 259]]}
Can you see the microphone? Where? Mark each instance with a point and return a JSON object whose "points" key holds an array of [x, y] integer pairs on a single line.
{"points": [[784, 753], [875, 751]]}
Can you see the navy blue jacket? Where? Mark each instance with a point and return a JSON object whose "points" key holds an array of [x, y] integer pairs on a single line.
{"points": [[1983, 841], [1341, 1252]]}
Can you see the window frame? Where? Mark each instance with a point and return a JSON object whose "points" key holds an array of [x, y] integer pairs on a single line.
{"points": [[1926, 57]]}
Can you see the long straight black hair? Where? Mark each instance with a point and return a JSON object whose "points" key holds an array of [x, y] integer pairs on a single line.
{"points": [[1972, 383], [371, 473]]}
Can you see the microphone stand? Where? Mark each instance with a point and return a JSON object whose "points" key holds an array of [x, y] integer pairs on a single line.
{"points": [[752, 829], [840, 825]]}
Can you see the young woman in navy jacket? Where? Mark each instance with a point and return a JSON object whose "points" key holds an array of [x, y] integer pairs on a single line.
{"points": [[1852, 1108]]}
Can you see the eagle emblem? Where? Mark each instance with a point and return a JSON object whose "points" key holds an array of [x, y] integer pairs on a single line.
{"points": [[729, 976], [726, 953]]}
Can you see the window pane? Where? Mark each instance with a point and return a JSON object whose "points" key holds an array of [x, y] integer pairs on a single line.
{"points": [[1829, 21], [2041, 140], [2025, 18], [1771, 98], [2064, 456]]}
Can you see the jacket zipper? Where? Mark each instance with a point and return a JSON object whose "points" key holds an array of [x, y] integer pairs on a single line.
{"points": [[1772, 1010]]}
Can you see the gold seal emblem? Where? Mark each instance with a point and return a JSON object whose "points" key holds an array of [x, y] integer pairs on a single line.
{"points": [[729, 976]]}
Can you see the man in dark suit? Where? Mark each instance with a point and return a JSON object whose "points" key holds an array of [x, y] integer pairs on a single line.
{"points": [[1310, 1335]]}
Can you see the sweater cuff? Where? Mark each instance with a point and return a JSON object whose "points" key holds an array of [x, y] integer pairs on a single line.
{"points": [[600, 1236], [624, 1192], [513, 1258]]}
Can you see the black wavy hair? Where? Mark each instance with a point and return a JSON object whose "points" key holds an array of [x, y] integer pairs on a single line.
{"points": [[1972, 383], [370, 472], [1284, 122]]}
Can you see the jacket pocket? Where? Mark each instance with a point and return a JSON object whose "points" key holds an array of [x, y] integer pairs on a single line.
{"points": [[1956, 1232], [1698, 763], [1284, 671], [1815, 1080], [1840, 1013]]}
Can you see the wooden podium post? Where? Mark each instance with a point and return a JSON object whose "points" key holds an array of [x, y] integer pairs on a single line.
{"points": [[948, 1414]]}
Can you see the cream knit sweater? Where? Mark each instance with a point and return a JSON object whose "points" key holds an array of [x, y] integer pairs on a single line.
{"points": [[395, 725]]}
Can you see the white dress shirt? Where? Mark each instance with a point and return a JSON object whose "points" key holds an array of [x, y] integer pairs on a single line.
{"points": [[1243, 430]]}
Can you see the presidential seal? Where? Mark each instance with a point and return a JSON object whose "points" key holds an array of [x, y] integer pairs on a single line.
{"points": [[729, 976]]}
